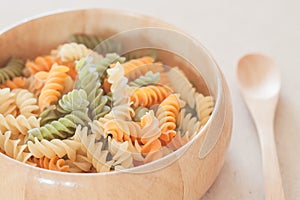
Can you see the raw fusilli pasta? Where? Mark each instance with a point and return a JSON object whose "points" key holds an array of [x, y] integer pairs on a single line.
{"points": [[16, 82], [139, 113], [204, 107], [149, 95], [13, 148], [89, 81], [71, 52], [122, 130], [167, 113], [55, 147], [13, 68], [119, 87], [186, 123], [54, 163], [53, 86], [180, 84], [62, 128], [149, 78], [18, 125], [26, 102], [40, 64], [90, 41], [7, 102], [83, 110]]}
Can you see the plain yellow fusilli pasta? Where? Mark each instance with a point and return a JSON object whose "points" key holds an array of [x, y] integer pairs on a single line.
{"points": [[13, 148], [7, 102], [71, 52], [54, 147]]}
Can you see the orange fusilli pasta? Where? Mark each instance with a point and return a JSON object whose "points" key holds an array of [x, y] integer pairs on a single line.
{"points": [[149, 95], [54, 163], [167, 113], [53, 86]]}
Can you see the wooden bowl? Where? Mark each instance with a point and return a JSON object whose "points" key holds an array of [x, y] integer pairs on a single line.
{"points": [[188, 176]]}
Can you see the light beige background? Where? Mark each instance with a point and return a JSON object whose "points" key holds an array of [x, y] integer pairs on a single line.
{"points": [[228, 29]]}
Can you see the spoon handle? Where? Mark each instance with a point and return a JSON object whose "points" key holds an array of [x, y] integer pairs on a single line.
{"points": [[272, 177]]}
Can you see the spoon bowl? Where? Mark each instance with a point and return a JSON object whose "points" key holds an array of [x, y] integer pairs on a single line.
{"points": [[259, 82], [258, 76]]}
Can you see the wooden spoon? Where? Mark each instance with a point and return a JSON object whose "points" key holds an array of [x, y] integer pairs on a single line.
{"points": [[259, 82]]}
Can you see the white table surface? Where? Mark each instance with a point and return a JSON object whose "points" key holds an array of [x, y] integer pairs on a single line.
{"points": [[228, 29]]}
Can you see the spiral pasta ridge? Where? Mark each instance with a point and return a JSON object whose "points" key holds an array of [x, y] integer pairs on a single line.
{"points": [[55, 164], [204, 107], [182, 85], [41, 63], [13, 148], [19, 124], [90, 83], [61, 128], [149, 95], [55, 147], [71, 52], [166, 114], [26, 102], [149, 78], [119, 87], [53, 86], [7, 102], [90, 41], [16, 82], [74, 100], [13, 69]]}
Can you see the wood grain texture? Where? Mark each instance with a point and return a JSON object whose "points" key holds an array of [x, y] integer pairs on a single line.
{"points": [[189, 177], [259, 81]]}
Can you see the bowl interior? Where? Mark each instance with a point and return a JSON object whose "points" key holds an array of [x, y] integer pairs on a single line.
{"points": [[39, 36]]}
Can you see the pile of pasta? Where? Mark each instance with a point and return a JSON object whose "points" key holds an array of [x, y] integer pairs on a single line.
{"points": [[76, 110]]}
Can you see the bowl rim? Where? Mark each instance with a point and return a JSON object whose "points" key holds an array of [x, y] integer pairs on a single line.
{"points": [[205, 128]]}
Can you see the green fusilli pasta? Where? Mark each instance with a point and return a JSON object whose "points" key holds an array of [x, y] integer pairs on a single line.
{"points": [[74, 100], [90, 41], [48, 115], [149, 78], [74, 106], [139, 113], [90, 82], [62, 128], [13, 68]]}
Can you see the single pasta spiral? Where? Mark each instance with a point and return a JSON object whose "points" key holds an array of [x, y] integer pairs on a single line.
{"points": [[122, 130], [90, 41], [74, 100], [54, 163], [136, 63], [16, 82], [19, 124], [55, 147], [13, 69], [7, 102], [182, 85], [149, 95], [26, 102], [61, 128], [71, 52], [149, 78], [119, 87], [41, 63], [187, 124], [204, 107], [13, 148], [166, 114], [53, 86]]}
